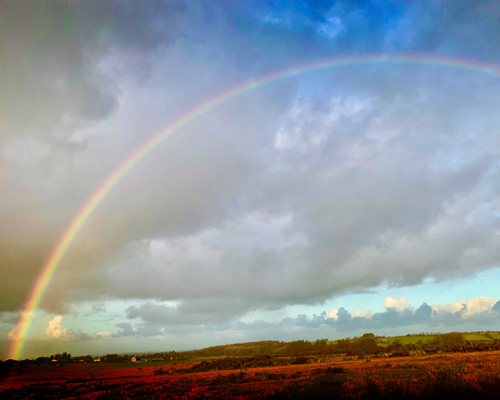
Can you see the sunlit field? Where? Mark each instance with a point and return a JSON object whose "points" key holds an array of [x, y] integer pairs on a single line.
{"points": [[451, 376]]}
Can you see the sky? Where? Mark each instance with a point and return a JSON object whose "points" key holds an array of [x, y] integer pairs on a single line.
{"points": [[358, 197]]}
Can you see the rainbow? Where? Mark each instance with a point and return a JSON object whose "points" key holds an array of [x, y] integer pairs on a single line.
{"points": [[20, 332]]}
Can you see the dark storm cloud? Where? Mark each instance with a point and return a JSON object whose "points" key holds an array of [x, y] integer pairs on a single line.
{"points": [[52, 73], [71, 60], [55, 81]]}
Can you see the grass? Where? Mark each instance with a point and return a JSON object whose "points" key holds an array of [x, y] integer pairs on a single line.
{"points": [[468, 336], [495, 335], [475, 336], [412, 339]]}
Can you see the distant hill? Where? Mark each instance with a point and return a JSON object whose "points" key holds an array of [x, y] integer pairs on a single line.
{"points": [[366, 345]]}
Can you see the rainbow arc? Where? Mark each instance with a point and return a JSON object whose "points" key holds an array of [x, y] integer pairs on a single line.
{"points": [[50, 267]]}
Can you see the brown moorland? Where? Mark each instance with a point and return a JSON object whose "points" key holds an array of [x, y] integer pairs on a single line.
{"points": [[441, 376]]}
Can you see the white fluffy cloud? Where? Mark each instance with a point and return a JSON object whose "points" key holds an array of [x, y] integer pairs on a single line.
{"points": [[333, 314], [55, 331], [395, 303], [466, 308], [307, 128]]}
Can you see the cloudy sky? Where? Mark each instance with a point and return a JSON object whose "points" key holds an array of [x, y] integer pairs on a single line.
{"points": [[332, 202]]}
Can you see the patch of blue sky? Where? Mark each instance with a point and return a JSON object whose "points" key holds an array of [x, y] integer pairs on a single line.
{"points": [[432, 292], [92, 317], [483, 284], [283, 13]]}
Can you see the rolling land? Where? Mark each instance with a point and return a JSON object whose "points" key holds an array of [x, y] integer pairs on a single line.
{"points": [[463, 373]]}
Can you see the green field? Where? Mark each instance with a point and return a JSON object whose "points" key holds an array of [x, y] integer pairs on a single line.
{"points": [[413, 339], [428, 338]]}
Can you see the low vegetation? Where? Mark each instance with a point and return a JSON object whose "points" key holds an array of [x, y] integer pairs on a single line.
{"points": [[424, 366], [450, 376]]}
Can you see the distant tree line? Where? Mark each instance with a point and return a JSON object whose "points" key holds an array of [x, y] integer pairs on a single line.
{"points": [[366, 345]]}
